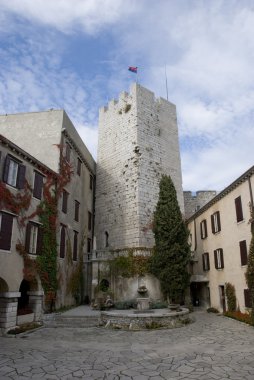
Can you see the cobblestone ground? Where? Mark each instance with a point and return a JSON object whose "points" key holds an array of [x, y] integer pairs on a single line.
{"points": [[213, 347]]}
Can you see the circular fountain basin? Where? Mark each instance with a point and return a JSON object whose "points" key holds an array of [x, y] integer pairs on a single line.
{"points": [[148, 319]]}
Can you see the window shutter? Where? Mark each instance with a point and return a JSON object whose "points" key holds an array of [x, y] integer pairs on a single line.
{"points": [[75, 246], [238, 209], [38, 185], [21, 176], [62, 242], [79, 162], [218, 220], [221, 258], [39, 241], [208, 261], [247, 298], [203, 259], [205, 227], [28, 236], [215, 259], [6, 231], [6, 169], [243, 252], [76, 217], [212, 223], [64, 201]]}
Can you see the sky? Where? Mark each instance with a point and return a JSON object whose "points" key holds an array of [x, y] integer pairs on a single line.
{"points": [[75, 54]]}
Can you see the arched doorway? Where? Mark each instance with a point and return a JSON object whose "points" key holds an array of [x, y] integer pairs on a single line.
{"points": [[23, 301], [3, 286]]}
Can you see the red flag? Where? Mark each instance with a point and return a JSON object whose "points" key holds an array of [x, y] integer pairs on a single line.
{"points": [[133, 69]]}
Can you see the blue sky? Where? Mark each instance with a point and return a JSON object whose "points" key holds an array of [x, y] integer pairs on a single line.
{"points": [[74, 54]]}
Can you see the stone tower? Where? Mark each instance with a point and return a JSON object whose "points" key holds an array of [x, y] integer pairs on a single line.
{"points": [[138, 142]]}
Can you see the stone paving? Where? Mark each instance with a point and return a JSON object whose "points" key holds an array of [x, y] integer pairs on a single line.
{"points": [[213, 347]]}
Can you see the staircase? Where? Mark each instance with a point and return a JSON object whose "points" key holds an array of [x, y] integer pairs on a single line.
{"points": [[80, 317]]}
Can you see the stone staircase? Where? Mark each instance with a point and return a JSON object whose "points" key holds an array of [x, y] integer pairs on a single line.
{"points": [[75, 318]]}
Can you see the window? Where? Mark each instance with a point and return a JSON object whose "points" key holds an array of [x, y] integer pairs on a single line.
{"points": [[76, 216], [38, 185], [91, 182], [218, 258], [206, 261], [33, 238], [243, 252], [203, 229], [238, 209], [89, 245], [68, 152], [89, 221], [65, 201], [6, 222], [215, 220], [79, 164], [62, 241], [247, 298], [14, 173], [75, 246], [106, 238]]}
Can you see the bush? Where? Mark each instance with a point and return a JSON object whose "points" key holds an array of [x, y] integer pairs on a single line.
{"points": [[125, 305], [242, 317], [158, 305], [212, 310], [230, 295]]}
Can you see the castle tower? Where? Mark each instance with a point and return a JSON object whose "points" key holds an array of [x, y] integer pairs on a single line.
{"points": [[138, 142]]}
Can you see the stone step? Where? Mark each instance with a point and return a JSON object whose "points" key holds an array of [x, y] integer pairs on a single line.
{"points": [[72, 321]]}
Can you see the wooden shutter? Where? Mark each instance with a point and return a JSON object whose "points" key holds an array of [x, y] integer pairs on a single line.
{"points": [[39, 244], [21, 176], [75, 246], [238, 209], [221, 258], [91, 182], [212, 223], [205, 225], [208, 261], [76, 217], [38, 185], [28, 236], [6, 231], [218, 220], [64, 201], [243, 252], [88, 245], [62, 242], [6, 168], [215, 259], [247, 298]]}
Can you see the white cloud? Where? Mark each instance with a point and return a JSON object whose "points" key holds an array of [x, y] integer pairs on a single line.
{"points": [[68, 16]]}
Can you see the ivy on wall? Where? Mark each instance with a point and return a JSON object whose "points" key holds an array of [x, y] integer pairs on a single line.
{"points": [[47, 212], [130, 264]]}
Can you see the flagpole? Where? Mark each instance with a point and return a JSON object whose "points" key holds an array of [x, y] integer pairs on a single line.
{"points": [[166, 79]]}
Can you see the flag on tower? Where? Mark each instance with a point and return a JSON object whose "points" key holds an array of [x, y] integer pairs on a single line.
{"points": [[133, 69]]}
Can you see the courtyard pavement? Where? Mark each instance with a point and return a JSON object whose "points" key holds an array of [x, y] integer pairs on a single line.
{"points": [[213, 347]]}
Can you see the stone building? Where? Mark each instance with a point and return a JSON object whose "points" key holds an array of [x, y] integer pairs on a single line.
{"points": [[221, 235], [48, 136], [138, 142], [193, 202]]}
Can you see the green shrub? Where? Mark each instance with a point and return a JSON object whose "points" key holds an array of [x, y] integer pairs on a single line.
{"points": [[231, 297], [212, 310]]}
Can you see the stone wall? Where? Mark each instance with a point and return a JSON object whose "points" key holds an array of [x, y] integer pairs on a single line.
{"points": [[194, 201], [138, 142]]}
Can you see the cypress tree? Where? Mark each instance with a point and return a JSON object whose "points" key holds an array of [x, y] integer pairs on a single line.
{"points": [[172, 252]]}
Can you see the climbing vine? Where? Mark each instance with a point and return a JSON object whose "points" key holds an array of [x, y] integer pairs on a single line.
{"points": [[19, 203], [132, 263]]}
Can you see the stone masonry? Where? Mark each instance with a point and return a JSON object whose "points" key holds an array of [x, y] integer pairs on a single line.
{"points": [[193, 203], [138, 142]]}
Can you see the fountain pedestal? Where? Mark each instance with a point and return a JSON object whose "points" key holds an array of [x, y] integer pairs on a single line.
{"points": [[143, 304]]}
